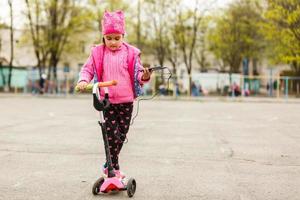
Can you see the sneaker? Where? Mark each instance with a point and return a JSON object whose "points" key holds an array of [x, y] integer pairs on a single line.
{"points": [[104, 170], [119, 174]]}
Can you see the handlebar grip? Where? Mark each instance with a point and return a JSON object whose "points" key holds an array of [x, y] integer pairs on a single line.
{"points": [[77, 90], [107, 83], [89, 87]]}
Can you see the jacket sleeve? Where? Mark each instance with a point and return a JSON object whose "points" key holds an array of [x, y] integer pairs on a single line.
{"points": [[140, 72], [88, 69]]}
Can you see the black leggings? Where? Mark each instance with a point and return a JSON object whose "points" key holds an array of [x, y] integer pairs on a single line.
{"points": [[117, 119]]}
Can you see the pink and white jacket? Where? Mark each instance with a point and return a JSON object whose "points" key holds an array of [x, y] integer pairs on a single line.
{"points": [[122, 65]]}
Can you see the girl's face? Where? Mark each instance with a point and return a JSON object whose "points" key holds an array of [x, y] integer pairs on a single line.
{"points": [[113, 41]]}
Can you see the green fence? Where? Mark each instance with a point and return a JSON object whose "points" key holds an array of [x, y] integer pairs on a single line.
{"points": [[19, 77], [27, 80]]}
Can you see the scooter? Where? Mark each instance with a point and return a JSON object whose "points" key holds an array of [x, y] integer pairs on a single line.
{"points": [[109, 183]]}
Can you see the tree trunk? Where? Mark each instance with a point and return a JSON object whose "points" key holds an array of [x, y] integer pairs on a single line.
{"points": [[11, 45], [49, 72], [230, 83], [2, 75], [53, 70], [139, 26], [190, 84]]}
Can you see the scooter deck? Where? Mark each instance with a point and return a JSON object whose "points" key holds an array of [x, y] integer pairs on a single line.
{"points": [[112, 184]]}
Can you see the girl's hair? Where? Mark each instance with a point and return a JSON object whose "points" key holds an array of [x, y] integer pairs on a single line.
{"points": [[103, 40]]}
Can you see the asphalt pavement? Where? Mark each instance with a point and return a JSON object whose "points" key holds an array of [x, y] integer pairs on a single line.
{"points": [[51, 149]]}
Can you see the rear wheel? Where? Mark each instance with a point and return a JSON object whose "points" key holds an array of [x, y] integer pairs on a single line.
{"points": [[131, 187], [97, 186]]}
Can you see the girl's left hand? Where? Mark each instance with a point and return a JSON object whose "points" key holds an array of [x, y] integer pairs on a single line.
{"points": [[146, 74]]}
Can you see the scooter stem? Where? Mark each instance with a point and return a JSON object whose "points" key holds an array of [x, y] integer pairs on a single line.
{"points": [[102, 124]]}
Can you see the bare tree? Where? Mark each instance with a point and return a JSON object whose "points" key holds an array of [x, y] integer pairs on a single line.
{"points": [[1, 67], [187, 33], [172, 53], [54, 26], [187, 37], [200, 52], [38, 32], [66, 18], [11, 43], [172, 50], [138, 27], [158, 14]]}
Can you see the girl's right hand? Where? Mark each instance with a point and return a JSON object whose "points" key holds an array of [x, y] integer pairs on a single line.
{"points": [[82, 85]]}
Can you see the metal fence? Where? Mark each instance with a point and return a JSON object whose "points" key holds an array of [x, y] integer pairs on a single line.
{"points": [[202, 84], [28, 81], [221, 84]]}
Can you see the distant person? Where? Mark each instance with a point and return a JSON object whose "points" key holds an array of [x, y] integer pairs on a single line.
{"points": [[177, 89], [195, 90], [246, 90], [116, 60], [268, 86], [162, 89], [275, 85], [42, 83], [235, 88]]}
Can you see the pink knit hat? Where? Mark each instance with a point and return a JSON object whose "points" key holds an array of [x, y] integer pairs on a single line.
{"points": [[113, 22]]}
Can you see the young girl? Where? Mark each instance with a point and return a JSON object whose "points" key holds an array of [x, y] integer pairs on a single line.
{"points": [[115, 60]]}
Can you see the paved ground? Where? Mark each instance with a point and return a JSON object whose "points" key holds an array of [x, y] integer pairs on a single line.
{"points": [[51, 149]]}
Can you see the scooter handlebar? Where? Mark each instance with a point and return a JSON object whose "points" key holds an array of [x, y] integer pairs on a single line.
{"points": [[89, 87]]}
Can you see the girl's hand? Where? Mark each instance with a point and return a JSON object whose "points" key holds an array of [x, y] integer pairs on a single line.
{"points": [[82, 85], [146, 74]]}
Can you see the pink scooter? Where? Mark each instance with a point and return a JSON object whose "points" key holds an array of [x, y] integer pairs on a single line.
{"points": [[111, 182]]}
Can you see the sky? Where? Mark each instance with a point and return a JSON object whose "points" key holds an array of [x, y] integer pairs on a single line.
{"points": [[19, 6]]}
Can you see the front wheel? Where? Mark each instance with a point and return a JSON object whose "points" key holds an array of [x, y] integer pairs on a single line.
{"points": [[131, 187], [97, 186]]}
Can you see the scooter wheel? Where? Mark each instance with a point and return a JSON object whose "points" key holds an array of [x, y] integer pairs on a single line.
{"points": [[97, 186], [131, 187]]}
